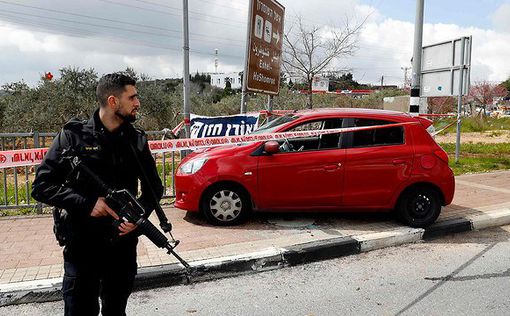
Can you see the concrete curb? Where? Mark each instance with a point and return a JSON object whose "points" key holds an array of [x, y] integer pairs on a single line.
{"points": [[268, 259]]}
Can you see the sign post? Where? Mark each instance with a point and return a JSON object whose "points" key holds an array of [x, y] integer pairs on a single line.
{"points": [[459, 99], [263, 48], [445, 72]]}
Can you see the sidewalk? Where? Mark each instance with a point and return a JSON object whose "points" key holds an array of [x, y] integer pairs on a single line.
{"points": [[31, 257]]}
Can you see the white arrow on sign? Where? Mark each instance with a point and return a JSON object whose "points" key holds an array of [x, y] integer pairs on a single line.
{"points": [[276, 36]]}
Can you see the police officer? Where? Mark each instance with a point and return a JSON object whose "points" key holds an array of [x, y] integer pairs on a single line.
{"points": [[99, 257]]}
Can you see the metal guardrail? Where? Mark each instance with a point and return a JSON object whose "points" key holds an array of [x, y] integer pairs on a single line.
{"points": [[17, 181]]}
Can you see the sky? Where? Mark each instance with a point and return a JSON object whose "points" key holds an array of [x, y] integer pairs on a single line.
{"points": [[110, 35]]}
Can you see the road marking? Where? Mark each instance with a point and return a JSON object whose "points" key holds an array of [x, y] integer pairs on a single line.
{"points": [[481, 186]]}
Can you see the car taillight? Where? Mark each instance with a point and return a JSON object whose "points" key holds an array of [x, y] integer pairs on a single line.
{"points": [[441, 154]]}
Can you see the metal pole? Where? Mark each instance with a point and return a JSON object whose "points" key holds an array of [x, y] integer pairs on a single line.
{"points": [[185, 75], [38, 205], [244, 94], [414, 104], [459, 101], [269, 105]]}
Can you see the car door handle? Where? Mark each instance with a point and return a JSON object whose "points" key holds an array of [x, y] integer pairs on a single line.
{"points": [[331, 167], [399, 161]]}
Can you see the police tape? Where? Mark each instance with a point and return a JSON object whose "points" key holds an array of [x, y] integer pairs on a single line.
{"points": [[30, 157], [197, 143], [22, 157]]}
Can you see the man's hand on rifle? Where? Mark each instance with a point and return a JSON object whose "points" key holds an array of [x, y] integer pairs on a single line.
{"points": [[102, 209], [126, 228]]}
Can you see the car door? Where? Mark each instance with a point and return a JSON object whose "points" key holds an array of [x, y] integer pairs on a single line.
{"points": [[376, 163], [309, 175]]}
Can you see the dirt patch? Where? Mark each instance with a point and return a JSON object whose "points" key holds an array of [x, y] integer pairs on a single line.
{"points": [[491, 137]]}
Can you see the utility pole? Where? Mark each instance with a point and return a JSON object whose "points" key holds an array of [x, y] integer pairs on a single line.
{"points": [[382, 81], [185, 75], [414, 104]]}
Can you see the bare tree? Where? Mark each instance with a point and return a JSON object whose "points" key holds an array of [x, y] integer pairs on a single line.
{"points": [[309, 49]]}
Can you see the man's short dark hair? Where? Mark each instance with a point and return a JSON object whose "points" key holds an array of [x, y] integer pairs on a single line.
{"points": [[112, 84]]}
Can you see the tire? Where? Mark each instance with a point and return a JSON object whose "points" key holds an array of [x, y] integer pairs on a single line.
{"points": [[225, 205], [419, 206]]}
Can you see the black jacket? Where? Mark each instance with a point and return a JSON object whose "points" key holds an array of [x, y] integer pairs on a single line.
{"points": [[110, 157]]}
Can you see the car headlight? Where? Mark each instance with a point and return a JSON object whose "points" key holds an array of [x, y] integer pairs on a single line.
{"points": [[192, 166]]}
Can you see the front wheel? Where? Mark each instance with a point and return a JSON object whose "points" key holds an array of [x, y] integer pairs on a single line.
{"points": [[419, 207], [225, 205]]}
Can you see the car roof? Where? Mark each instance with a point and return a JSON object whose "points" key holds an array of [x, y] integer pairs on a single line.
{"points": [[354, 112]]}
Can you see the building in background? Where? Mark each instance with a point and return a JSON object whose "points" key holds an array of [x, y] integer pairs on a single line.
{"points": [[219, 80]]}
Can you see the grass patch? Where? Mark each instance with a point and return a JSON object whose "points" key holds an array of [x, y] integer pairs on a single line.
{"points": [[11, 194], [23, 211], [478, 157]]}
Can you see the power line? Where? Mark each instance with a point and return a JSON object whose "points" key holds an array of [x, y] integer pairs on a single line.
{"points": [[157, 4], [108, 27], [356, 57], [165, 12], [224, 6], [82, 32], [138, 31], [88, 16], [129, 23], [190, 11], [139, 8], [83, 23], [112, 20]]}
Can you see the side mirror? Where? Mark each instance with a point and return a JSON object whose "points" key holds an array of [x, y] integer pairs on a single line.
{"points": [[272, 147]]}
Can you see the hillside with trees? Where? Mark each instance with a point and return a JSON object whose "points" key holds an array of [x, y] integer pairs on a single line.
{"points": [[46, 106]]}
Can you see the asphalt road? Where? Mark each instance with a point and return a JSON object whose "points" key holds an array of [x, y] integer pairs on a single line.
{"points": [[465, 274]]}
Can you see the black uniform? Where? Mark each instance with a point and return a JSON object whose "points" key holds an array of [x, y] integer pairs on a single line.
{"points": [[97, 262]]}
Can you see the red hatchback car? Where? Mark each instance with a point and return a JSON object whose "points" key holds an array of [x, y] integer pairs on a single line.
{"points": [[397, 168]]}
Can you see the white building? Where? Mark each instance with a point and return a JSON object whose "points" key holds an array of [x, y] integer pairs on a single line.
{"points": [[220, 79]]}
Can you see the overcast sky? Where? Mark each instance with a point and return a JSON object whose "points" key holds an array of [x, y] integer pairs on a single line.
{"points": [[110, 35]]}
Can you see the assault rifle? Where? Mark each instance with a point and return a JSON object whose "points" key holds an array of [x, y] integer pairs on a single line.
{"points": [[130, 210]]}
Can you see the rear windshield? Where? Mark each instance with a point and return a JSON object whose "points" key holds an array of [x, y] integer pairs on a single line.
{"points": [[273, 125]]}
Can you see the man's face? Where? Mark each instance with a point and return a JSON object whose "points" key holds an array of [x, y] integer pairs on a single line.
{"points": [[128, 104]]}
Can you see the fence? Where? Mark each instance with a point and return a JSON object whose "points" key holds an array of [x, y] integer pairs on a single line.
{"points": [[17, 181]]}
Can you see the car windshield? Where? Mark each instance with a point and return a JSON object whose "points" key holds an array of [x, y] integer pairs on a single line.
{"points": [[273, 125]]}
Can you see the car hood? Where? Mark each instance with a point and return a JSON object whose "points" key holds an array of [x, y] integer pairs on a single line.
{"points": [[219, 151]]}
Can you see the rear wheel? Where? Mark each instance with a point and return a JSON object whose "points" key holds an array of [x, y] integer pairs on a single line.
{"points": [[419, 206], [225, 205]]}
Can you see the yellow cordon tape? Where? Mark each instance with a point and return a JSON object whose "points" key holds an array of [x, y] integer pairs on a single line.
{"points": [[30, 157]]}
